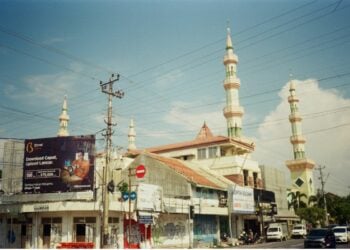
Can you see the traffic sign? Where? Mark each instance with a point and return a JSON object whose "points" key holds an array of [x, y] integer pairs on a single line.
{"points": [[125, 196], [140, 171], [132, 196]]}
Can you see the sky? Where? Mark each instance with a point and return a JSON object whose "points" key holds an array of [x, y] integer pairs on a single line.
{"points": [[169, 55]]}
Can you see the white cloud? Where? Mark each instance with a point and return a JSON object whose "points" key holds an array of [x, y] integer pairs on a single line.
{"points": [[49, 88], [181, 114], [168, 79], [54, 40], [326, 120]]}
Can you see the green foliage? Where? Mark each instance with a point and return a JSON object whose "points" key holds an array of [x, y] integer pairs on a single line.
{"points": [[123, 187], [338, 208], [342, 211], [312, 215], [296, 200]]}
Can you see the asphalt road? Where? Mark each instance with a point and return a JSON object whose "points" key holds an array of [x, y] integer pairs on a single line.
{"points": [[292, 243]]}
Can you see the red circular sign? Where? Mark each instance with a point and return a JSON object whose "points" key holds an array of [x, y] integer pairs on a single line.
{"points": [[140, 171]]}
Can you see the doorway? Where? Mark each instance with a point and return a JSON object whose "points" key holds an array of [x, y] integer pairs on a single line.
{"points": [[84, 229], [51, 231]]}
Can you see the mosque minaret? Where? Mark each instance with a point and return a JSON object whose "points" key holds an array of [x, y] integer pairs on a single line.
{"points": [[233, 112], [300, 167], [63, 118], [131, 136]]}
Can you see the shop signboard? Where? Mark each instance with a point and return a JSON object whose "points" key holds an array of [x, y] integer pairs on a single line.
{"points": [[59, 164], [243, 200], [145, 218]]}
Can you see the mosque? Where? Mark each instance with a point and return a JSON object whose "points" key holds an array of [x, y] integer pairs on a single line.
{"points": [[192, 192]]}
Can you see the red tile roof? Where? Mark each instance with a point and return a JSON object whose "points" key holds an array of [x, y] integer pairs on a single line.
{"points": [[204, 138], [187, 172], [189, 144]]}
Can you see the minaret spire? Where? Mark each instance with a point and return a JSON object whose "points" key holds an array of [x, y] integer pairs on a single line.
{"points": [[300, 167], [297, 139], [228, 39], [63, 118], [131, 136], [233, 112]]}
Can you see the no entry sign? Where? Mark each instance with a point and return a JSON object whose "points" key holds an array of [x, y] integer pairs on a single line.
{"points": [[140, 171]]}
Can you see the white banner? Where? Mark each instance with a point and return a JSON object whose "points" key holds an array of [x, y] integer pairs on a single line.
{"points": [[242, 200], [149, 197]]}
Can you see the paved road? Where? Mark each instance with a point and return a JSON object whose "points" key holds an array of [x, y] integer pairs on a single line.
{"points": [[292, 243]]}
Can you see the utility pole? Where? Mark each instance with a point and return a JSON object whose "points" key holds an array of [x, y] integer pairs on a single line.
{"points": [[323, 182], [107, 88]]}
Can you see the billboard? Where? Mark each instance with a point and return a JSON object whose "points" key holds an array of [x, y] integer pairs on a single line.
{"points": [[243, 200], [59, 164]]}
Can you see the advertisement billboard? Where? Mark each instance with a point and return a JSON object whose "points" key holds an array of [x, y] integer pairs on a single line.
{"points": [[59, 164], [243, 200]]}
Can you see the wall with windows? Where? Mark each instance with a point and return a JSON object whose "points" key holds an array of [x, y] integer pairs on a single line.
{"points": [[208, 152]]}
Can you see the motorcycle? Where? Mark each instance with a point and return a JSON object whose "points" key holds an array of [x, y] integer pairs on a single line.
{"points": [[246, 239]]}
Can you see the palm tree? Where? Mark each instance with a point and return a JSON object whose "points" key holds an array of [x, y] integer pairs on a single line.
{"points": [[296, 200]]}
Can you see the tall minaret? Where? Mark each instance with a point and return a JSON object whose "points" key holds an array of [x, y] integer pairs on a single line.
{"points": [[63, 118], [300, 167], [295, 119], [131, 136], [232, 112]]}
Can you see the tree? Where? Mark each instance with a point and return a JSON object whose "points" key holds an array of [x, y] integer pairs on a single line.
{"points": [[313, 215], [296, 200], [343, 212], [317, 200], [336, 206]]}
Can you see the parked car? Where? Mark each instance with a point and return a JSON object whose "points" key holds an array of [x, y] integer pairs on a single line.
{"points": [[320, 237], [277, 231], [341, 234], [332, 225], [299, 231]]}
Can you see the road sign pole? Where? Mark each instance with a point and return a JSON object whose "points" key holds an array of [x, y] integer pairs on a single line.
{"points": [[140, 172], [129, 190]]}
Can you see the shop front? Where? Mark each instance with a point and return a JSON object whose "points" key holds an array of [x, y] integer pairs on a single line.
{"points": [[137, 234], [205, 231]]}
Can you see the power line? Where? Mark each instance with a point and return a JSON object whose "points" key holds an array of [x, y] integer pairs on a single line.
{"points": [[52, 48], [48, 62], [291, 21], [252, 95], [295, 26]]}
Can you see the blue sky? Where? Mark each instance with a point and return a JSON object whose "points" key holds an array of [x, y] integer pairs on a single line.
{"points": [[169, 55]]}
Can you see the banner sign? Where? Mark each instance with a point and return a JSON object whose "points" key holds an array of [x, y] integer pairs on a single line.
{"points": [[243, 200], [59, 164], [149, 197]]}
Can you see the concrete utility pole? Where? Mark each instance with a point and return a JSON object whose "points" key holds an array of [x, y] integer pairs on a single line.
{"points": [[107, 88], [323, 182]]}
